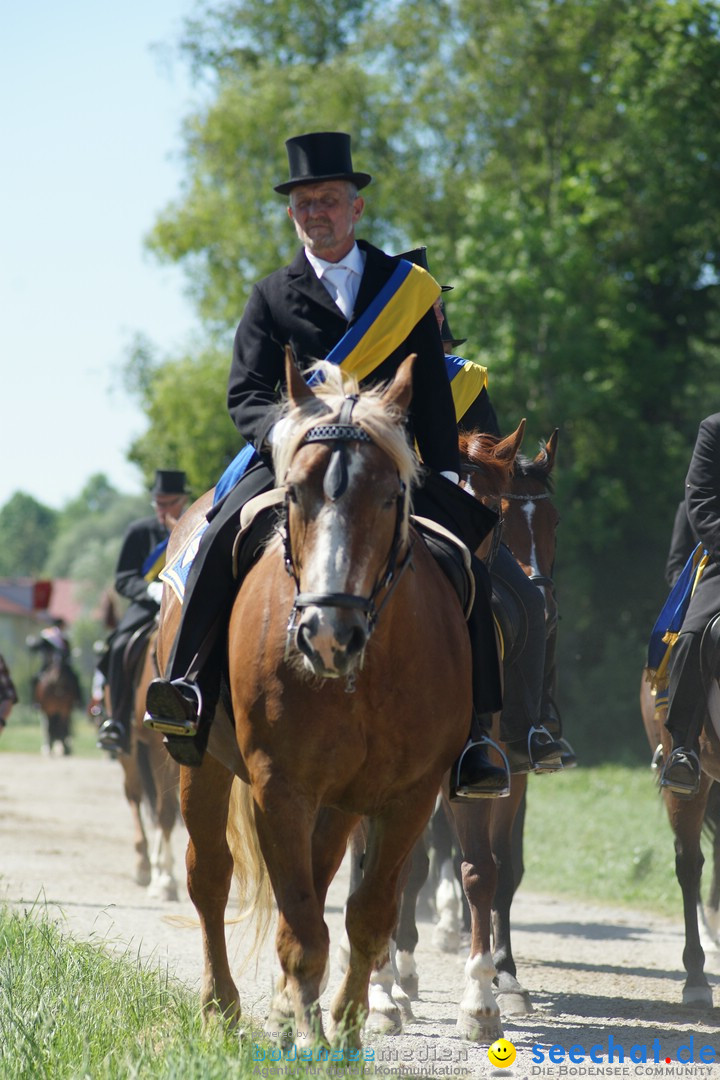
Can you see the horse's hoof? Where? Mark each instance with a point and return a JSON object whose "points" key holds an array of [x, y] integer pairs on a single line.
{"points": [[402, 1000], [697, 995], [411, 985], [447, 941], [479, 1029], [516, 1003], [379, 1023]]}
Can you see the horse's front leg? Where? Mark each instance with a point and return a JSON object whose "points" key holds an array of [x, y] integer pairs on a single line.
{"points": [[478, 1014], [371, 917], [285, 831], [512, 998], [165, 772], [686, 817], [132, 787], [204, 800], [406, 934]]}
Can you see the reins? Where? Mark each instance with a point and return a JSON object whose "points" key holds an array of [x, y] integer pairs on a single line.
{"points": [[334, 486]]}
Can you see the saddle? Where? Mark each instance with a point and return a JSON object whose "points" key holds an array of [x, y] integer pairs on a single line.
{"points": [[452, 556]]}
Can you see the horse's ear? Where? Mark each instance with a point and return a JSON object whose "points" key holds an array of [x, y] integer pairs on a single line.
{"points": [[546, 457], [298, 389], [399, 392], [507, 449]]}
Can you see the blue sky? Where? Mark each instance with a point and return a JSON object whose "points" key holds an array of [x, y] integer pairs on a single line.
{"points": [[90, 141]]}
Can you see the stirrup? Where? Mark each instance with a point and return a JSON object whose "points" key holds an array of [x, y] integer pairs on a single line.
{"points": [[171, 725], [680, 789], [552, 764], [500, 793]]}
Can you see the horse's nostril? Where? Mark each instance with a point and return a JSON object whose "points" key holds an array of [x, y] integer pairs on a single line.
{"points": [[357, 640]]}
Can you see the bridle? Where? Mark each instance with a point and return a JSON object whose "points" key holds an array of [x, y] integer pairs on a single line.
{"points": [[334, 485], [541, 580]]}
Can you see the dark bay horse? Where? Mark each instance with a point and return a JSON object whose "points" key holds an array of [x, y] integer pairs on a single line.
{"points": [[687, 818], [338, 713], [529, 521], [151, 785], [57, 694]]}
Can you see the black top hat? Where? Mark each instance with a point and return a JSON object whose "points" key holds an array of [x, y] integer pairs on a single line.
{"points": [[169, 482], [419, 257], [321, 155], [446, 333]]}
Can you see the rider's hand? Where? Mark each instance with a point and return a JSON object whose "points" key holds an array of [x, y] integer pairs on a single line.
{"points": [[155, 591], [449, 474]]}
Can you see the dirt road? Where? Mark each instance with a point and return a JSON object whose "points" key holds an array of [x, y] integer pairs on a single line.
{"points": [[594, 974]]}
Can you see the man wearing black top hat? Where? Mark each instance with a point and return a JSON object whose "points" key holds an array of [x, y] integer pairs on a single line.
{"points": [[140, 561], [309, 305]]}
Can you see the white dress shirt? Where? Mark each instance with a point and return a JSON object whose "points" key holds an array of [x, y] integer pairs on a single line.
{"points": [[341, 279]]}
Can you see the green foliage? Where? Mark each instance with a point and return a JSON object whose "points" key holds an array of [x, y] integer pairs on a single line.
{"points": [[189, 427], [27, 530]]}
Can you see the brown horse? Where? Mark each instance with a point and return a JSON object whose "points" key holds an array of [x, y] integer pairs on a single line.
{"points": [[338, 712], [687, 818], [56, 693], [497, 474], [151, 780]]}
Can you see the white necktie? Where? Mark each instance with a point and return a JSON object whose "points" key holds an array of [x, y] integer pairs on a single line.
{"points": [[340, 279]]}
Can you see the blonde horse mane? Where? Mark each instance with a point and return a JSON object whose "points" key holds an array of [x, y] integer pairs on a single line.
{"points": [[381, 420]]}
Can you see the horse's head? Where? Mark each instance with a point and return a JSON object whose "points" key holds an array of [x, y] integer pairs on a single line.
{"points": [[348, 469], [487, 465], [530, 519]]}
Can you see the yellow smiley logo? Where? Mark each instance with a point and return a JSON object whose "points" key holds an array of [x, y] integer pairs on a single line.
{"points": [[501, 1054]]}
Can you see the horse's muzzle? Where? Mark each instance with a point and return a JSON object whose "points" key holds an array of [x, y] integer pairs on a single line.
{"points": [[332, 640]]}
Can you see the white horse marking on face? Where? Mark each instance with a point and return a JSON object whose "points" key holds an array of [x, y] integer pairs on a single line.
{"points": [[528, 510]]}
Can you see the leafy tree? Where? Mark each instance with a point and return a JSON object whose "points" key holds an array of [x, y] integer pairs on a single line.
{"points": [[27, 530], [189, 427]]}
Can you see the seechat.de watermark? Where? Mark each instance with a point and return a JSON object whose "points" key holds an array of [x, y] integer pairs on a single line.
{"points": [[694, 1057]]}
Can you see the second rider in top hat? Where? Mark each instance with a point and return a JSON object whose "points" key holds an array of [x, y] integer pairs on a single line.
{"points": [[309, 306]]}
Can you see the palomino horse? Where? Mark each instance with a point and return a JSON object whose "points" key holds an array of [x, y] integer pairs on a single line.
{"points": [[529, 523], [338, 714], [687, 818], [56, 692], [151, 779]]}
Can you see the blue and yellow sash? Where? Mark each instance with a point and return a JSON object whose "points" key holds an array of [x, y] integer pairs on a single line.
{"points": [[155, 561], [409, 292], [669, 622], [467, 381]]}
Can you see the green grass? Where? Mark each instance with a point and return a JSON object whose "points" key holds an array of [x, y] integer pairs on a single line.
{"points": [[68, 1011], [601, 834], [23, 733]]}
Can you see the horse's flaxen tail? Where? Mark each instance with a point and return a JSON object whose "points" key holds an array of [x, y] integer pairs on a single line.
{"points": [[252, 881]]}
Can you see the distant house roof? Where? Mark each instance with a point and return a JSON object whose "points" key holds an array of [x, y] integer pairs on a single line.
{"points": [[40, 599], [63, 601]]}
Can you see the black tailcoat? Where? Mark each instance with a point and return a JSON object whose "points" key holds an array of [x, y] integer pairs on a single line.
{"points": [[702, 499], [293, 307]]}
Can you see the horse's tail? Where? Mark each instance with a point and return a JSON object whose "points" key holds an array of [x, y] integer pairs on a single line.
{"points": [[252, 881]]}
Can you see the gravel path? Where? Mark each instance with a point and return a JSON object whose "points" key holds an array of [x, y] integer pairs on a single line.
{"points": [[594, 973]]}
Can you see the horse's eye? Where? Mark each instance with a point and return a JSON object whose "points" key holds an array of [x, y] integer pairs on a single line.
{"points": [[292, 493]]}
